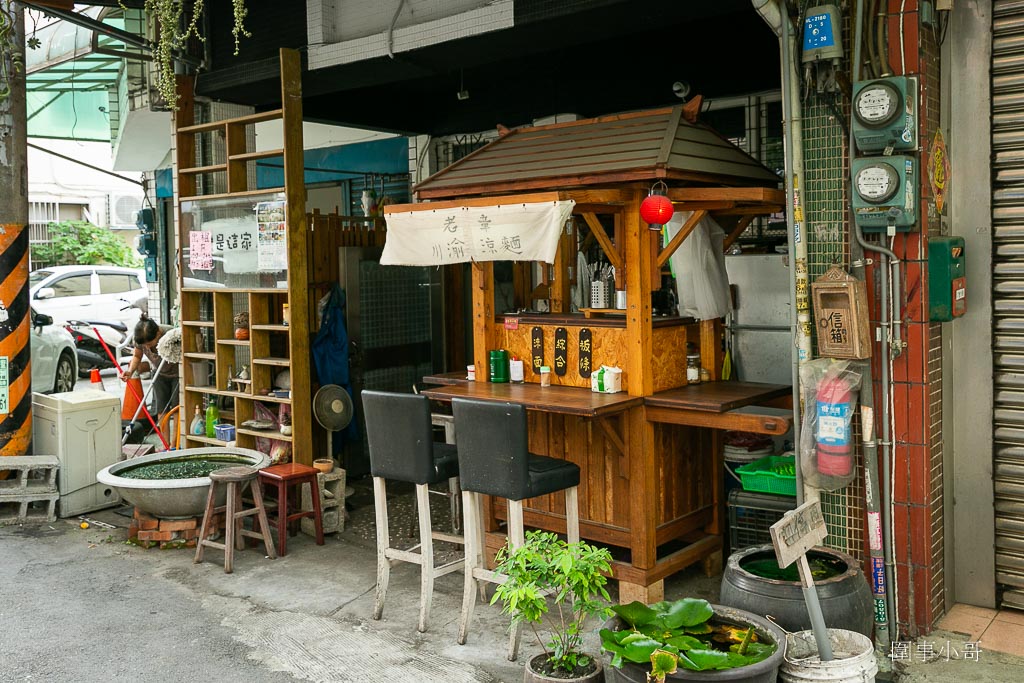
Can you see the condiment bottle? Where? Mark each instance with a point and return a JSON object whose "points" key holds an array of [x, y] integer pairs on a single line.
{"points": [[693, 368], [198, 427], [545, 376], [212, 418], [515, 370], [499, 366]]}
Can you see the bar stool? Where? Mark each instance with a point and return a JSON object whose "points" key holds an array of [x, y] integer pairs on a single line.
{"points": [[494, 460], [236, 479], [284, 477], [402, 448]]}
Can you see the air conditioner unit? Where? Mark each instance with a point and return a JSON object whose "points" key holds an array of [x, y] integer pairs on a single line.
{"points": [[124, 209]]}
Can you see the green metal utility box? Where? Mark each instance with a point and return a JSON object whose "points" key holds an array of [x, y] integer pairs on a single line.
{"points": [[947, 279]]}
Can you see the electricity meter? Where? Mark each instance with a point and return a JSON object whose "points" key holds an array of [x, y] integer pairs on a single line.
{"points": [[822, 39], [885, 193], [885, 114]]}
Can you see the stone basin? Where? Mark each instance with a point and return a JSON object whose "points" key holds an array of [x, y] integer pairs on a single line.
{"points": [[173, 497]]}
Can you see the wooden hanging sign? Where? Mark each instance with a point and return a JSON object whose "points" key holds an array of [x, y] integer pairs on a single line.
{"points": [[537, 348], [586, 349], [561, 351]]}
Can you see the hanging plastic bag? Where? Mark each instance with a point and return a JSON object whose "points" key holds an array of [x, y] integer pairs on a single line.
{"points": [[280, 452], [702, 284], [827, 445]]}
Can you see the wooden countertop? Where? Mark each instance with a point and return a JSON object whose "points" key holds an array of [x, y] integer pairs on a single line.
{"points": [[446, 378], [554, 399], [717, 397]]}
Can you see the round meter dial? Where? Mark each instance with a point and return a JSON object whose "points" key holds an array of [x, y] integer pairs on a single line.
{"points": [[877, 183], [877, 104]]}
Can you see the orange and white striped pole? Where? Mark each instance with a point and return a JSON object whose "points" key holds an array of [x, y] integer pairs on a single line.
{"points": [[15, 322]]}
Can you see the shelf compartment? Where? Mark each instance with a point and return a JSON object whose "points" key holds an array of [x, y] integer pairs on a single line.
{"points": [[243, 120], [264, 433], [231, 195], [279, 362], [197, 323]]}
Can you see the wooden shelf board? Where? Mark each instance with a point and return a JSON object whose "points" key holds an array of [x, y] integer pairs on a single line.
{"points": [[206, 440], [234, 342], [219, 392], [198, 170], [202, 356], [266, 433], [253, 156], [197, 323], [279, 362], [270, 328], [244, 120], [231, 195], [233, 290], [272, 399]]}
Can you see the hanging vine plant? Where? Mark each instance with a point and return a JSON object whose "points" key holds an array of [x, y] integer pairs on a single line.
{"points": [[12, 59], [173, 33]]}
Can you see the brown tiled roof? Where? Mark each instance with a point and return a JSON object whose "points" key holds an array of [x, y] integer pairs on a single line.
{"points": [[639, 146]]}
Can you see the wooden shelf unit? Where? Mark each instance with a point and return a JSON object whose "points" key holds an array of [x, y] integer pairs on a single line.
{"points": [[207, 313]]}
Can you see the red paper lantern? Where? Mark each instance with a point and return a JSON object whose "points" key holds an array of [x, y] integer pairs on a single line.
{"points": [[656, 210]]}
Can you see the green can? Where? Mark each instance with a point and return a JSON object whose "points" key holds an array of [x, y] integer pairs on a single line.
{"points": [[499, 366]]}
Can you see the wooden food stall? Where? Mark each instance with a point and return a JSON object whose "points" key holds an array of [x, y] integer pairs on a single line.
{"points": [[650, 456]]}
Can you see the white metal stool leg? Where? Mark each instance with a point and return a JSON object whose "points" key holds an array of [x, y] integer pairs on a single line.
{"points": [[426, 555], [572, 515], [516, 538], [380, 505]]}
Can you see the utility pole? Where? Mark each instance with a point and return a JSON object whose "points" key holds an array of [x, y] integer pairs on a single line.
{"points": [[15, 323]]}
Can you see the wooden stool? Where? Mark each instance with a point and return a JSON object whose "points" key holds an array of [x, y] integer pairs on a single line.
{"points": [[284, 477], [236, 478]]}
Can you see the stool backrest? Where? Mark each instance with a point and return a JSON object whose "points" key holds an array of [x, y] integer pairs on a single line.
{"points": [[492, 442], [399, 435]]}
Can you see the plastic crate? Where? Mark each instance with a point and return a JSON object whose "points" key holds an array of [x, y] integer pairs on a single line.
{"points": [[758, 476], [225, 432], [751, 516]]}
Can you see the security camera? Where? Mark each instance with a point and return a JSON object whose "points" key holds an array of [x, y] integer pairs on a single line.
{"points": [[681, 89]]}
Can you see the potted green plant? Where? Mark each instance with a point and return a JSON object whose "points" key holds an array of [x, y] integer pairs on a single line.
{"points": [[573, 577], [691, 640]]}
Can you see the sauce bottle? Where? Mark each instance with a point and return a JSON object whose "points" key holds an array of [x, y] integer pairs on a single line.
{"points": [[198, 426], [212, 418]]}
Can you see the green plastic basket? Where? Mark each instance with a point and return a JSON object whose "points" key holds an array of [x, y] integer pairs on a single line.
{"points": [[764, 476]]}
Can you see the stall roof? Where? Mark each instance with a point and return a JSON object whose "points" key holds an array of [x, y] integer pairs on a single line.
{"points": [[638, 146]]}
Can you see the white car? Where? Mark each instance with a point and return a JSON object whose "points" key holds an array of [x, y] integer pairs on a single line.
{"points": [[54, 360], [88, 293]]}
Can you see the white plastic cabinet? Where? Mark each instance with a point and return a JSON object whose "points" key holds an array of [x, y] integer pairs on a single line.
{"points": [[83, 429]]}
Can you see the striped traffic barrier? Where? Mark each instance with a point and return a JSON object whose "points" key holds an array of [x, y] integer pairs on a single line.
{"points": [[15, 346]]}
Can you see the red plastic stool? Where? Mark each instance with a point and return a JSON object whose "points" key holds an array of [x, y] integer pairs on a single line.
{"points": [[285, 477]]}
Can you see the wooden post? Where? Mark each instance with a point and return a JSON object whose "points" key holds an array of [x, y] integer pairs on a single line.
{"points": [[483, 317], [640, 382], [298, 277]]}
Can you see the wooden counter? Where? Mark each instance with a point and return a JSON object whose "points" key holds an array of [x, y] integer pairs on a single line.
{"points": [[723, 405], [564, 400]]}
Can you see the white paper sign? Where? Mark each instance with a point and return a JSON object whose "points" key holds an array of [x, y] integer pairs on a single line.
{"points": [[272, 244], [234, 243], [200, 251], [514, 232]]}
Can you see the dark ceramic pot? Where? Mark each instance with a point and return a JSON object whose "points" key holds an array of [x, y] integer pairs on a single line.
{"points": [[531, 674], [765, 671]]}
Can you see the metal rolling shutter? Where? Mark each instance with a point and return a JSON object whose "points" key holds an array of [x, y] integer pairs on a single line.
{"points": [[1008, 293]]}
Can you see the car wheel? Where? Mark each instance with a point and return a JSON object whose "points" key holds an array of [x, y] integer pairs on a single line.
{"points": [[65, 380]]}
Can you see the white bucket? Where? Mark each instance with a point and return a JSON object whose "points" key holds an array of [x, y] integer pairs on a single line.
{"points": [[854, 658]]}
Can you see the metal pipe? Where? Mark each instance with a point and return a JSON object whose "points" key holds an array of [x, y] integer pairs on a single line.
{"points": [[870, 448]]}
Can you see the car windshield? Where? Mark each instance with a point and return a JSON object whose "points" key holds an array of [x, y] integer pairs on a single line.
{"points": [[35, 277]]}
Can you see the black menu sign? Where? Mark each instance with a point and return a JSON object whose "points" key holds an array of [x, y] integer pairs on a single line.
{"points": [[586, 347], [561, 351], [537, 348]]}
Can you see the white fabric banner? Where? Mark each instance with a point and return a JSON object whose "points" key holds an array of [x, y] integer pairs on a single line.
{"points": [[506, 232]]}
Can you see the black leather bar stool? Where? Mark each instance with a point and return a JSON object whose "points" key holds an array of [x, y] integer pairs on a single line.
{"points": [[402, 448], [494, 460]]}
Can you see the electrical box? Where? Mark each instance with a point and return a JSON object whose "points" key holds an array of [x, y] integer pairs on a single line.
{"points": [[145, 222], [885, 193], [841, 315], [885, 114], [822, 37], [947, 279], [151, 271]]}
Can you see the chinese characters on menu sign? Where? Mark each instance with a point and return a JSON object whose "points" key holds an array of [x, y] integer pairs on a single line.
{"points": [[273, 243], [200, 251], [517, 232]]}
